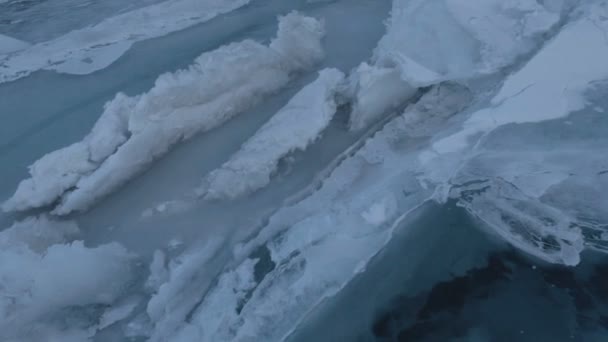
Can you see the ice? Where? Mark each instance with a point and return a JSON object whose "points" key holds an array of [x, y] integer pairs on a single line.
{"points": [[377, 90], [177, 296], [434, 41], [43, 273], [549, 86], [293, 128], [9, 44], [133, 132], [95, 47], [317, 245]]}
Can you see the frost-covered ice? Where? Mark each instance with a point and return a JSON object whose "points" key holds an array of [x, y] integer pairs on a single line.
{"points": [[294, 127], [9, 44], [93, 48], [43, 272], [134, 131]]}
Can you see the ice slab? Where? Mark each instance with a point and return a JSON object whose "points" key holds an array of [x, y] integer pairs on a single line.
{"points": [[294, 127]]}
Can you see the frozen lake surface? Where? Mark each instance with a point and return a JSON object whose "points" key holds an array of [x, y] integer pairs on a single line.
{"points": [[303, 170]]}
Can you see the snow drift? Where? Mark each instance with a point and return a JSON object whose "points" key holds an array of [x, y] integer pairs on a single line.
{"points": [[134, 131]]}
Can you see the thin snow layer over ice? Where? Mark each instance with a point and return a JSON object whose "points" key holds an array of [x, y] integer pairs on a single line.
{"points": [[48, 282], [93, 48], [434, 41], [9, 44], [294, 127], [134, 131]]}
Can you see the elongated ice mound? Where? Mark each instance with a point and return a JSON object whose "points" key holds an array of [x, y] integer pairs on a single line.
{"points": [[294, 127], [133, 132], [9, 44], [434, 41], [93, 48], [43, 274]]}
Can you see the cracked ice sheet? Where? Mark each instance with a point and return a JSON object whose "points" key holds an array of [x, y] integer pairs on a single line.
{"points": [[434, 41], [294, 127], [134, 131], [96, 47], [45, 273], [320, 243], [551, 85]]}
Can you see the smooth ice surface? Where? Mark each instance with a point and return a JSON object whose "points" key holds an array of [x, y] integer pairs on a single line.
{"points": [[294, 127], [9, 44], [93, 48], [134, 131]]}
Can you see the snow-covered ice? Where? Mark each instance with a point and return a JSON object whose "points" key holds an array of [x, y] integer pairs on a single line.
{"points": [[293, 128], [134, 131]]}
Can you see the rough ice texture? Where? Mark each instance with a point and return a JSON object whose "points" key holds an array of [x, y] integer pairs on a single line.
{"points": [[551, 85], [319, 244], [294, 127], [434, 41], [377, 90], [134, 131], [43, 274], [523, 201], [93, 48], [9, 44]]}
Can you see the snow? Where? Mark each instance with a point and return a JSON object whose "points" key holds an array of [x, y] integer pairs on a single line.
{"points": [[551, 85], [95, 47], [134, 131], [434, 41], [43, 273], [293, 128], [9, 44]]}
